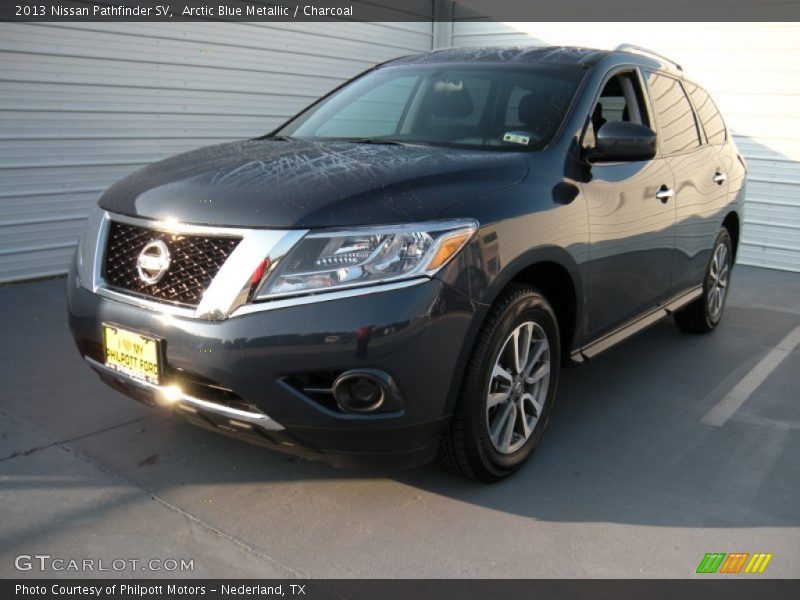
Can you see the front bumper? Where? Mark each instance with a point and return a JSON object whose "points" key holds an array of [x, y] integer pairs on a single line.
{"points": [[414, 334]]}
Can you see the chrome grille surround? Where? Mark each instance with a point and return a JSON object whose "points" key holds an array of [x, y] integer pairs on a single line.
{"points": [[226, 291]]}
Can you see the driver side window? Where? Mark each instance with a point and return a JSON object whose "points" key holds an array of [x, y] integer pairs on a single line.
{"points": [[620, 100]]}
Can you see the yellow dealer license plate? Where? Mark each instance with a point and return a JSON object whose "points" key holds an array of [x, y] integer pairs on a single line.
{"points": [[132, 353]]}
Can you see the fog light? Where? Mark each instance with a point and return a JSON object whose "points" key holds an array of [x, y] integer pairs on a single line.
{"points": [[365, 392], [358, 392]]}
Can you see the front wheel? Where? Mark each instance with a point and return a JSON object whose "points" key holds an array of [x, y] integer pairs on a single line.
{"points": [[705, 313], [508, 390]]}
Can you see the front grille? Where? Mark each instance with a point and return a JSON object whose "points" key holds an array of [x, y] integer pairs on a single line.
{"points": [[195, 260]]}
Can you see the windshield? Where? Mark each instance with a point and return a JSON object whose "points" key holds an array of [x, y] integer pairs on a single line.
{"points": [[486, 106]]}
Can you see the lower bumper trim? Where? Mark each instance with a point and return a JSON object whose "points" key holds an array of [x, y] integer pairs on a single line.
{"points": [[173, 397]]}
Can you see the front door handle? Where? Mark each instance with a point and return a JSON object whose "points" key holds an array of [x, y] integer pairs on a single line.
{"points": [[720, 178], [665, 193]]}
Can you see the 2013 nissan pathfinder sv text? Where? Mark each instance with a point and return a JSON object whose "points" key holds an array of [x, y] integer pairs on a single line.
{"points": [[403, 269]]}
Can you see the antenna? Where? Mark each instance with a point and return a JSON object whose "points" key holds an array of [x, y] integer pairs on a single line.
{"points": [[640, 50]]}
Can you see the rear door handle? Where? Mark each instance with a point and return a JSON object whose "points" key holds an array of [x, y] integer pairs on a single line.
{"points": [[720, 178], [665, 193]]}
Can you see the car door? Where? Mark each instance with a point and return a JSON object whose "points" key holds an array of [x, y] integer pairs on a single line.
{"points": [[701, 176], [631, 217], [694, 166]]}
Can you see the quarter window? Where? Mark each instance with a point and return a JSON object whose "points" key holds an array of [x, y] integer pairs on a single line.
{"points": [[712, 121], [677, 128]]}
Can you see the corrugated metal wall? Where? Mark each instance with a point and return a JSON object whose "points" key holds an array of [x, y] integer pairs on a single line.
{"points": [[83, 104], [753, 72]]}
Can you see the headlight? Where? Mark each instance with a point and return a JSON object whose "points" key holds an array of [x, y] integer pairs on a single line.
{"points": [[331, 260]]}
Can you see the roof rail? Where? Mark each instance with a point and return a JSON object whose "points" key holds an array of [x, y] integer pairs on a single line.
{"points": [[640, 50]]}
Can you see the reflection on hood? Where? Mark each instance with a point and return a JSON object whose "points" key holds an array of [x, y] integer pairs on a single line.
{"points": [[296, 183]]}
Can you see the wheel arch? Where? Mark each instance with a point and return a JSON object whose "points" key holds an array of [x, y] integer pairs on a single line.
{"points": [[733, 224], [555, 273], [555, 282]]}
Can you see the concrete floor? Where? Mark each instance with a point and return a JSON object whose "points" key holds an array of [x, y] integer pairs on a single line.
{"points": [[628, 483]]}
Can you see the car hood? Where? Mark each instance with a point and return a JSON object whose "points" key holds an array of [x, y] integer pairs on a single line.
{"points": [[297, 183]]}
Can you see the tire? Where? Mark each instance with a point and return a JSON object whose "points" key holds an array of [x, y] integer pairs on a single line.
{"points": [[704, 314], [480, 444]]}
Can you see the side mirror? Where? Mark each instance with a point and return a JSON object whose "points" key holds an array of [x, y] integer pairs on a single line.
{"points": [[623, 141]]}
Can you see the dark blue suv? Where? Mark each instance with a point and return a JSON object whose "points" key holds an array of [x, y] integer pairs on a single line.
{"points": [[403, 269]]}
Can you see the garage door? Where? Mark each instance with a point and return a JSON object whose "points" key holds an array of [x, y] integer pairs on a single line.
{"points": [[751, 69], [83, 104]]}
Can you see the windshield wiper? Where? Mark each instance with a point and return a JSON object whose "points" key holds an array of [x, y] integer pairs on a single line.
{"points": [[380, 141], [348, 140]]}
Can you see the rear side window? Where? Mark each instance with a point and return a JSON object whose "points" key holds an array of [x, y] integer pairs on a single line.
{"points": [[677, 128], [712, 121]]}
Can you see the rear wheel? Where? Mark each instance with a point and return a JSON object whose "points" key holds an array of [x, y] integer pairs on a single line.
{"points": [[705, 313], [508, 390]]}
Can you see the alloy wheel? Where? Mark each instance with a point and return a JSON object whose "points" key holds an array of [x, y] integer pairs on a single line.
{"points": [[518, 387], [718, 280]]}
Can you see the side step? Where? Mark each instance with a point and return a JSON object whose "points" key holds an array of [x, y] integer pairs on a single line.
{"points": [[640, 323]]}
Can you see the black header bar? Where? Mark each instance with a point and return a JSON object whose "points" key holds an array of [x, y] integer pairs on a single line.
{"points": [[401, 589], [400, 10]]}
